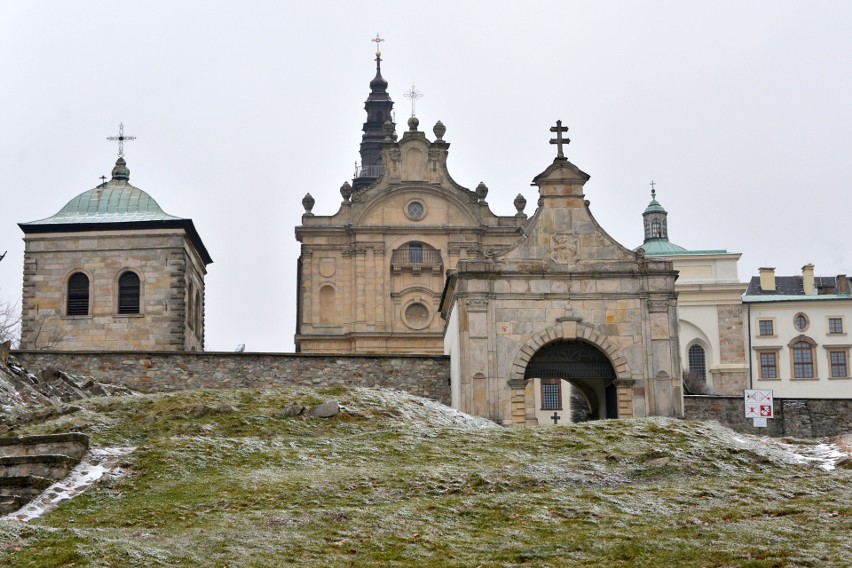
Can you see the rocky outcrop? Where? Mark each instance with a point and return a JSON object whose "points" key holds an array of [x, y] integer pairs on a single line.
{"points": [[23, 393]]}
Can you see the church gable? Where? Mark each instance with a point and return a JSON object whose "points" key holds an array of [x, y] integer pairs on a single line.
{"points": [[563, 232], [415, 205]]}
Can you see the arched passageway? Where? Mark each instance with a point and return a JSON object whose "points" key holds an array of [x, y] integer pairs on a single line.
{"points": [[585, 367]]}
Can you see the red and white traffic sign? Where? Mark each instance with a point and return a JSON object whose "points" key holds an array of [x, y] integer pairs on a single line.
{"points": [[759, 404]]}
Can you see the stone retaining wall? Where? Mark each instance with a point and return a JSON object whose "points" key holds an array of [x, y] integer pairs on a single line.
{"points": [[422, 375], [799, 418]]}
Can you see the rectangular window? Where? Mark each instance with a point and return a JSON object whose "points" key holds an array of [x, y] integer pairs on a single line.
{"points": [[551, 394], [839, 369], [768, 365], [766, 327], [835, 325]]}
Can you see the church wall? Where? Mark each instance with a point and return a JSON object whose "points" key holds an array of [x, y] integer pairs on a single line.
{"points": [[422, 375], [160, 258]]}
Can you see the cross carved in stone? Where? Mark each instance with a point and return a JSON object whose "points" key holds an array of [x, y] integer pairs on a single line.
{"points": [[121, 138], [559, 141], [556, 418]]}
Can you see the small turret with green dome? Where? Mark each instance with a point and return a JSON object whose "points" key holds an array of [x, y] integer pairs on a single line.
{"points": [[657, 241]]}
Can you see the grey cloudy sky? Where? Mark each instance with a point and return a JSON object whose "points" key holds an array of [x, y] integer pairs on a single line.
{"points": [[741, 112]]}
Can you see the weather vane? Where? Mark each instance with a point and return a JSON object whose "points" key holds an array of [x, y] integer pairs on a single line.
{"points": [[120, 139], [559, 129], [413, 94], [653, 191], [377, 40]]}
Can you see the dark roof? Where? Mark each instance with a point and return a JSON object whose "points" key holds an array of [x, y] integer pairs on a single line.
{"points": [[792, 286]]}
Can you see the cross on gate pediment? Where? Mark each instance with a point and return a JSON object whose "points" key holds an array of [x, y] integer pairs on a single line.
{"points": [[559, 141]]}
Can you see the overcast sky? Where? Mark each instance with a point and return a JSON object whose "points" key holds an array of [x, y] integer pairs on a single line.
{"points": [[740, 111]]}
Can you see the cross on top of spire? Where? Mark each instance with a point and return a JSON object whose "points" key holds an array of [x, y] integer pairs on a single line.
{"points": [[121, 138], [413, 94], [653, 191], [559, 141], [377, 40]]}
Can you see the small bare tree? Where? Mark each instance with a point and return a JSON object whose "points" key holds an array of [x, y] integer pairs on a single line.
{"points": [[46, 336], [10, 320], [693, 383]]}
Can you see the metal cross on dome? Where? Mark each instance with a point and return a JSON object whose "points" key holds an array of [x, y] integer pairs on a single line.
{"points": [[377, 40], [413, 94], [653, 191], [120, 139], [559, 129]]}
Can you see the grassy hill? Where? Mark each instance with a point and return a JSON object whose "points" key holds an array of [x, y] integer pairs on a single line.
{"points": [[227, 478]]}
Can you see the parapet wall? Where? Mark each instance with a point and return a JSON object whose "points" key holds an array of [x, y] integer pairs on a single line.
{"points": [[798, 418], [422, 375]]}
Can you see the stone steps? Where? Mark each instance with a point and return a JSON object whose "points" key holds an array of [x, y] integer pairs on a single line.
{"points": [[30, 464], [17, 491]]}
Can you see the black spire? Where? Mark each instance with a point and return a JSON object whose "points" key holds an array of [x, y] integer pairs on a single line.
{"points": [[379, 107]]}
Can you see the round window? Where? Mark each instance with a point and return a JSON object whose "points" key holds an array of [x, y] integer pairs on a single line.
{"points": [[417, 316], [801, 322], [415, 210]]}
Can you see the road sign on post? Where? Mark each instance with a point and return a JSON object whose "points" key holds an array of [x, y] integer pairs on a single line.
{"points": [[759, 405]]}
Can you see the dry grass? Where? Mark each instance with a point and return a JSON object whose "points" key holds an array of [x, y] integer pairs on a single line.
{"points": [[222, 478]]}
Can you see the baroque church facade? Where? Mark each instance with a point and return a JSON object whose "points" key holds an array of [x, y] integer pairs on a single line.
{"points": [[412, 262]]}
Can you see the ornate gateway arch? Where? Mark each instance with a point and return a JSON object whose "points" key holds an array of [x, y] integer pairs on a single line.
{"points": [[566, 301]]}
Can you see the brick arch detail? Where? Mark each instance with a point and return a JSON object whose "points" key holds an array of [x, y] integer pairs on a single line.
{"points": [[584, 332]]}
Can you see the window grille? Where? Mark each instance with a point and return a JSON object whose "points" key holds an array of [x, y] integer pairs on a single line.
{"points": [[697, 362], [551, 395], [128, 293], [78, 295], [766, 327]]}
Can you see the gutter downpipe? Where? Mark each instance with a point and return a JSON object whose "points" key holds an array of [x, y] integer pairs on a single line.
{"points": [[750, 385]]}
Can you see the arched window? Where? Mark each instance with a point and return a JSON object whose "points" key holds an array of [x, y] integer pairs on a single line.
{"points": [[199, 312], [656, 230], [697, 362], [128, 293], [78, 295], [803, 360]]}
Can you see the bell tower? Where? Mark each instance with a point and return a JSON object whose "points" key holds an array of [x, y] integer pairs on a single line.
{"points": [[379, 107]]}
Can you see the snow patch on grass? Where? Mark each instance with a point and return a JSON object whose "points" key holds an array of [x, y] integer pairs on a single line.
{"points": [[94, 465]]}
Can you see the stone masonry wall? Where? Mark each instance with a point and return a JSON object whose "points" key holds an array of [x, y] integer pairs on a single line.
{"points": [[799, 418], [160, 257], [732, 345], [422, 375]]}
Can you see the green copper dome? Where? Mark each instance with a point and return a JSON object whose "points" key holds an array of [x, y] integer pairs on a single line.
{"points": [[654, 206], [115, 201], [662, 247]]}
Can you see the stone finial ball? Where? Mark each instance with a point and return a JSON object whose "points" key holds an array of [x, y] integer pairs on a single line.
{"points": [[413, 123], [439, 129], [481, 191]]}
